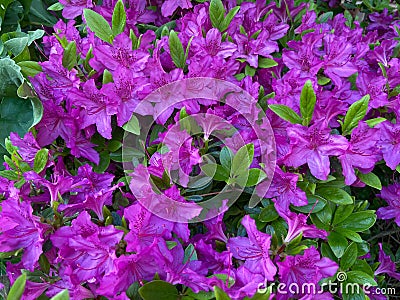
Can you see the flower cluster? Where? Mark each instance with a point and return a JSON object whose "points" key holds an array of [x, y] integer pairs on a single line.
{"points": [[270, 124]]}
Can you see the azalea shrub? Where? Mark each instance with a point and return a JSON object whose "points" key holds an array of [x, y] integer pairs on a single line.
{"points": [[199, 149]]}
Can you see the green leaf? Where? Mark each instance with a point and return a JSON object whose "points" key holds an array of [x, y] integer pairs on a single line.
{"points": [[359, 221], [255, 177], [29, 68], [342, 212], [335, 195], [176, 50], [107, 77], [17, 288], [371, 180], [25, 91], [355, 113], [35, 35], [132, 125], [37, 111], [307, 102], [10, 74], [338, 243], [323, 80], [98, 25], [9, 174], [228, 19], [38, 14], [41, 159], [217, 13], [225, 157], [286, 113], [249, 71], [69, 56], [56, 7], [351, 235], [16, 45], [360, 278], [63, 295], [16, 115], [158, 289], [268, 214], [118, 18], [220, 294], [349, 257], [373, 122], [242, 159], [265, 63], [190, 253]]}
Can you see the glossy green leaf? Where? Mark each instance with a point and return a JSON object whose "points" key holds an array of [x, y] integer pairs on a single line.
{"points": [[118, 18], [17, 288], [69, 56], [63, 295], [176, 50], [307, 102], [220, 294], [264, 62], [286, 113], [355, 113], [338, 243], [335, 195], [41, 159], [98, 25], [349, 257], [371, 180], [359, 221], [132, 125], [217, 13], [158, 289]]}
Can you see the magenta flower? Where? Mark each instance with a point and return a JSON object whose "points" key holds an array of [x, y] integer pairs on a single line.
{"points": [[168, 7], [297, 224], [308, 268], [89, 249], [98, 106], [391, 195], [390, 143], [27, 146], [386, 265], [212, 45], [313, 146], [20, 229], [362, 152], [284, 189], [254, 250], [74, 8]]}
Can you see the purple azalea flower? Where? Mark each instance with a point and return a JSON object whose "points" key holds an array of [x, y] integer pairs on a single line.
{"points": [[98, 106], [119, 55], [89, 249], [390, 143], [144, 228], [249, 48], [313, 146], [386, 265], [337, 59], [284, 189], [168, 7], [132, 268], [74, 8], [254, 250], [297, 224], [20, 229], [212, 45], [308, 268], [362, 152], [303, 57], [27, 146], [374, 85], [391, 195], [246, 283]]}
